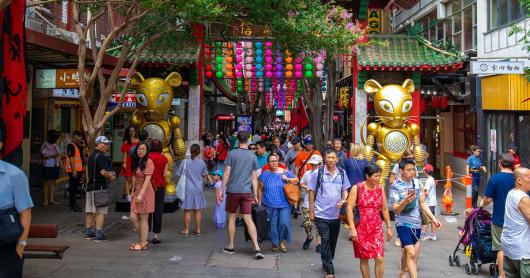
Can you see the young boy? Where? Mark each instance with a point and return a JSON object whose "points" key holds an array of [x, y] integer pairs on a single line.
{"points": [[219, 216], [315, 161], [430, 192]]}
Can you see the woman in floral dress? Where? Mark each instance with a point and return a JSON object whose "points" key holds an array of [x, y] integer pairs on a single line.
{"points": [[367, 233]]}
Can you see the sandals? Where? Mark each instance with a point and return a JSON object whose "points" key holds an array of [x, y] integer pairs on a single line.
{"points": [[283, 249], [184, 233], [196, 233], [138, 247], [275, 249]]}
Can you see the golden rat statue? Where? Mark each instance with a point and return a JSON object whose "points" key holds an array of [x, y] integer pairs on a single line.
{"points": [[391, 132], [153, 101]]}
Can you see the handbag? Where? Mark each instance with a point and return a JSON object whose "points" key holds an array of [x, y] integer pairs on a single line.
{"points": [[10, 226], [292, 192], [181, 185], [101, 196]]}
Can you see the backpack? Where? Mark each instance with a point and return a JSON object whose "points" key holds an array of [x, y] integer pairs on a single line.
{"points": [[320, 176]]}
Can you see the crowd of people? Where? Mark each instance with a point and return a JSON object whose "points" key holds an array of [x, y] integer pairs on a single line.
{"points": [[249, 172]]}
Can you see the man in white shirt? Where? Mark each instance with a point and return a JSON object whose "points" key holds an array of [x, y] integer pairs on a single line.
{"points": [[515, 237]]}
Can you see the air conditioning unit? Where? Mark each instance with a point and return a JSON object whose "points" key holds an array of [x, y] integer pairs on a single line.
{"points": [[35, 24]]}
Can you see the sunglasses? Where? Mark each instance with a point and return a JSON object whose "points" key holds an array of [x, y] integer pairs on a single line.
{"points": [[252, 149]]}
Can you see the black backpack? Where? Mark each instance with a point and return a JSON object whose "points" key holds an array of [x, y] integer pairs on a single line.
{"points": [[321, 175]]}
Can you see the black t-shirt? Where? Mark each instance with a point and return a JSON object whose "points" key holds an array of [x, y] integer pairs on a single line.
{"points": [[100, 161]]}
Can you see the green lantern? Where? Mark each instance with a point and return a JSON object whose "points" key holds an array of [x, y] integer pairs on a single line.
{"points": [[219, 67], [219, 59], [308, 74], [308, 67], [219, 74]]}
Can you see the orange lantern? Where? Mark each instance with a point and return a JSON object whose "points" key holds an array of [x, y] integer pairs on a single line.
{"points": [[229, 74], [289, 60], [229, 59], [288, 74], [289, 67], [229, 67]]}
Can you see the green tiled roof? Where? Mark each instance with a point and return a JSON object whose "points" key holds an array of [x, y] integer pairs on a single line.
{"points": [[183, 55], [405, 51]]}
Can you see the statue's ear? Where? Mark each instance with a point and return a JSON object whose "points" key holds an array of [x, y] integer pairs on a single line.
{"points": [[408, 85], [371, 87], [137, 79], [174, 79]]}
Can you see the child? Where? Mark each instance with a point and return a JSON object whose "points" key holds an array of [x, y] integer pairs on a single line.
{"points": [[430, 193], [219, 215]]}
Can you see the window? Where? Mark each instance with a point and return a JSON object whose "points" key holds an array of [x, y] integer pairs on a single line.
{"points": [[504, 12], [468, 25], [461, 24]]}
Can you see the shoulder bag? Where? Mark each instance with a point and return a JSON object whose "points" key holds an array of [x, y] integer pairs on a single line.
{"points": [[181, 185], [292, 192], [10, 226], [101, 196]]}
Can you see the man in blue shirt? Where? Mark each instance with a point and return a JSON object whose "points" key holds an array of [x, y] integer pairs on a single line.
{"points": [[474, 166], [496, 191], [14, 195], [262, 154]]}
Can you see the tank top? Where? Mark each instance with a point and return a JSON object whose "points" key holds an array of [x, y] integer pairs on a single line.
{"points": [[516, 232]]}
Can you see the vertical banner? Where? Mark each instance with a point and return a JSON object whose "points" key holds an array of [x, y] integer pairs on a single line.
{"points": [[13, 92], [374, 22]]}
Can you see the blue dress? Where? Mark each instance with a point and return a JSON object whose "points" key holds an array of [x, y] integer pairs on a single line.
{"points": [[196, 169], [219, 213]]}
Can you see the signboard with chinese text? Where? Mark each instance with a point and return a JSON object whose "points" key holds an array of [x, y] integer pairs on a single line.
{"points": [[493, 140], [373, 25], [68, 78], [128, 102], [45, 78], [66, 93], [497, 67]]}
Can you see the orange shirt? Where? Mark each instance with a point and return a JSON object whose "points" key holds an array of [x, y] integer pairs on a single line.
{"points": [[301, 159]]}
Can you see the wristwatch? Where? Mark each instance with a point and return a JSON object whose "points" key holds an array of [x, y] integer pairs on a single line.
{"points": [[22, 243]]}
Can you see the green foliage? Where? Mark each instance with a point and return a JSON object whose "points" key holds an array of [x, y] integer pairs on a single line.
{"points": [[525, 39]]}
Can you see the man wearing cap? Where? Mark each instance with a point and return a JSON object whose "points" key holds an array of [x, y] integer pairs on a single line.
{"points": [[512, 149], [300, 161], [292, 153], [316, 161], [474, 166], [98, 174]]}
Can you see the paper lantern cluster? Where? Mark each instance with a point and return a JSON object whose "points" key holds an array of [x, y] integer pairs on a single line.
{"points": [[261, 67]]}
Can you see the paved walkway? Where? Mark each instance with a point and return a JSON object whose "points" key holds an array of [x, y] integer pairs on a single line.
{"points": [[201, 256]]}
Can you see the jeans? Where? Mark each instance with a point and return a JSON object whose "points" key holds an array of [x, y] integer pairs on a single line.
{"points": [[155, 218], [73, 185], [279, 224], [475, 185], [10, 262], [329, 233]]}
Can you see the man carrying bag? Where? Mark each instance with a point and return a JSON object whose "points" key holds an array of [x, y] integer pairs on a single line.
{"points": [[97, 196]]}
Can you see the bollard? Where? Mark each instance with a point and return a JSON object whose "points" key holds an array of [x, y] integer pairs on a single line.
{"points": [[467, 181], [447, 199]]}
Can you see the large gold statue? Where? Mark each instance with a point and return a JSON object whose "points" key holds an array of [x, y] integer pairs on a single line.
{"points": [[153, 101], [391, 132]]}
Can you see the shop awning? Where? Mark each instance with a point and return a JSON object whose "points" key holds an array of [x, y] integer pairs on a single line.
{"points": [[183, 55], [406, 53]]}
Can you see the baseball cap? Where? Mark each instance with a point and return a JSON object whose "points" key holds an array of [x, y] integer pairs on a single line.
{"points": [[511, 146], [103, 139], [217, 172], [297, 140], [427, 168], [315, 159], [308, 141]]}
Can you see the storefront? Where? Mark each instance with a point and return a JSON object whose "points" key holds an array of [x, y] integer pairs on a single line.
{"points": [[506, 106]]}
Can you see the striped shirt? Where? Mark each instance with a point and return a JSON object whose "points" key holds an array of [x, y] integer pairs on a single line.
{"points": [[273, 194]]}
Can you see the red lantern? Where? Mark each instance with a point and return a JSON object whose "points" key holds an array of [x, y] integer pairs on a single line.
{"points": [[209, 74], [443, 102], [435, 102], [424, 104]]}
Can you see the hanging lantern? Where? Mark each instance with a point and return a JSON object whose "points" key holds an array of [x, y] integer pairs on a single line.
{"points": [[424, 105], [435, 102], [443, 102]]}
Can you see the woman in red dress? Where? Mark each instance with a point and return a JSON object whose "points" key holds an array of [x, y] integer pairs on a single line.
{"points": [[367, 232], [143, 197], [222, 152], [130, 139]]}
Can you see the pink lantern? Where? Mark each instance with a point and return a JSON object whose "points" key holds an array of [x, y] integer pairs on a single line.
{"points": [[248, 74], [248, 44], [268, 44], [249, 60], [239, 74], [239, 67], [239, 59], [318, 73], [298, 74], [298, 67], [268, 74], [268, 52], [248, 67], [320, 66], [239, 51], [268, 67], [268, 60]]}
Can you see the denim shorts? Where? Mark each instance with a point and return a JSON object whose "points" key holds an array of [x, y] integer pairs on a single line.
{"points": [[408, 236]]}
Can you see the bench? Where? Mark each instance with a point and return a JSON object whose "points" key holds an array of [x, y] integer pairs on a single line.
{"points": [[41, 251]]}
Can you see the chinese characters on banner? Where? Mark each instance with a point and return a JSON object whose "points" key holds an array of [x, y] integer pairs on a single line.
{"points": [[58, 78], [374, 22], [497, 67], [493, 141]]}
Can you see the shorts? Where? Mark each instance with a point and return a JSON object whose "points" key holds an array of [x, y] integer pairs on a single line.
{"points": [[516, 268], [90, 207], [432, 208], [243, 201], [50, 173], [408, 236], [496, 232]]}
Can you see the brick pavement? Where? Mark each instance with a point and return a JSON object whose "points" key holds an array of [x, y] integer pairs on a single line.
{"points": [[193, 256]]}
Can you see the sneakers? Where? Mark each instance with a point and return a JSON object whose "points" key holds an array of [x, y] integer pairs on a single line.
{"points": [[90, 235], [101, 238], [307, 243], [433, 237], [258, 255], [229, 251], [397, 242]]}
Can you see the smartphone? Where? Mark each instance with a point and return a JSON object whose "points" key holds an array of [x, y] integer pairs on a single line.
{"points": [[412, 191]]}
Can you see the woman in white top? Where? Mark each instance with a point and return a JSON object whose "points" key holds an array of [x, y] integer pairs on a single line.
{"points": [[50, 166]]}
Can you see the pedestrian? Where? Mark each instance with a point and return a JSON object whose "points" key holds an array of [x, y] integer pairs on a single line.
{"points": [[241, 185], [158, 180], [328, 190], [209, 155], [394, 174], [497, 189], [130, 140], [196, 172], [278, 143], [300, 161], [512, 149], [407, 199], [15, 207], [516, 230], [316, 161], [292, 153], [367, 231], [355, 165], [219, 213], [337, 145], [272, 196], [99, 174], [262, 153], [475, 166], [430, 196], [74, 165], [50, 155], [252, 147], [221, 151]]}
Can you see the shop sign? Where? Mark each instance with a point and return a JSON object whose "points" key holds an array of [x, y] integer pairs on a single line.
{"points": [[374, 22], [225, 117], [45, 79], [68, 78], [497, 67], [129, 100], [493, 141], [66, 93]]}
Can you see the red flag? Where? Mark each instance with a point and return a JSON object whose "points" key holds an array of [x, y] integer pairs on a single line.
{"points": [[299, 116], [13, 90]]}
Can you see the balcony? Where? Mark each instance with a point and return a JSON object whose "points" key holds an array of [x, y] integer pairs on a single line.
{"points": [[499, 43]]}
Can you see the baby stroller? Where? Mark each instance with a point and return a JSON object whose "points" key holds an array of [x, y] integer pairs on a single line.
{"points": [[475, 242]]}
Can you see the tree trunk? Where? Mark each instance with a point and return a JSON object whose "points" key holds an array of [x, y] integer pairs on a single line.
{"points": [[312, 97], [330, 100]]}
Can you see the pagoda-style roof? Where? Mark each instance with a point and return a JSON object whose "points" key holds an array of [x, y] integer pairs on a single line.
{"points": [[182, 55], [406, 53]]}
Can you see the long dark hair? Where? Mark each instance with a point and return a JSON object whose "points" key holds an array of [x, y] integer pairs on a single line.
{"points": [[127, 134], [137, 161]]}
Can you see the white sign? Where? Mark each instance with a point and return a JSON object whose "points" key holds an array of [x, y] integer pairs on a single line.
{"points": [[68, 93], [493, 142], [497, 67]]}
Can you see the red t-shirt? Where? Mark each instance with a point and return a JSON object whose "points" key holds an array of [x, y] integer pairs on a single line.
{"points": [[160, 162], [266, 167], [222, 152], [516, 161]]}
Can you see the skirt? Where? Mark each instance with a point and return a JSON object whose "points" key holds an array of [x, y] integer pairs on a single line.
{"points": [[194, 201], [50, 173]]}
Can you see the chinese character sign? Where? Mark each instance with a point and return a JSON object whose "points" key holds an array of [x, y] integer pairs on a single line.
{"points": [[374, 22], [497, 67]]}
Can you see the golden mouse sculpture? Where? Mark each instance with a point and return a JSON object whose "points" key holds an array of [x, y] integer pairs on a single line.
{"points": [[153, 101], [391, 132]]}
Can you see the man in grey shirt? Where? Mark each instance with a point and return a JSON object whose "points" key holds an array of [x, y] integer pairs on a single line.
{"points": [[241, 191]]}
